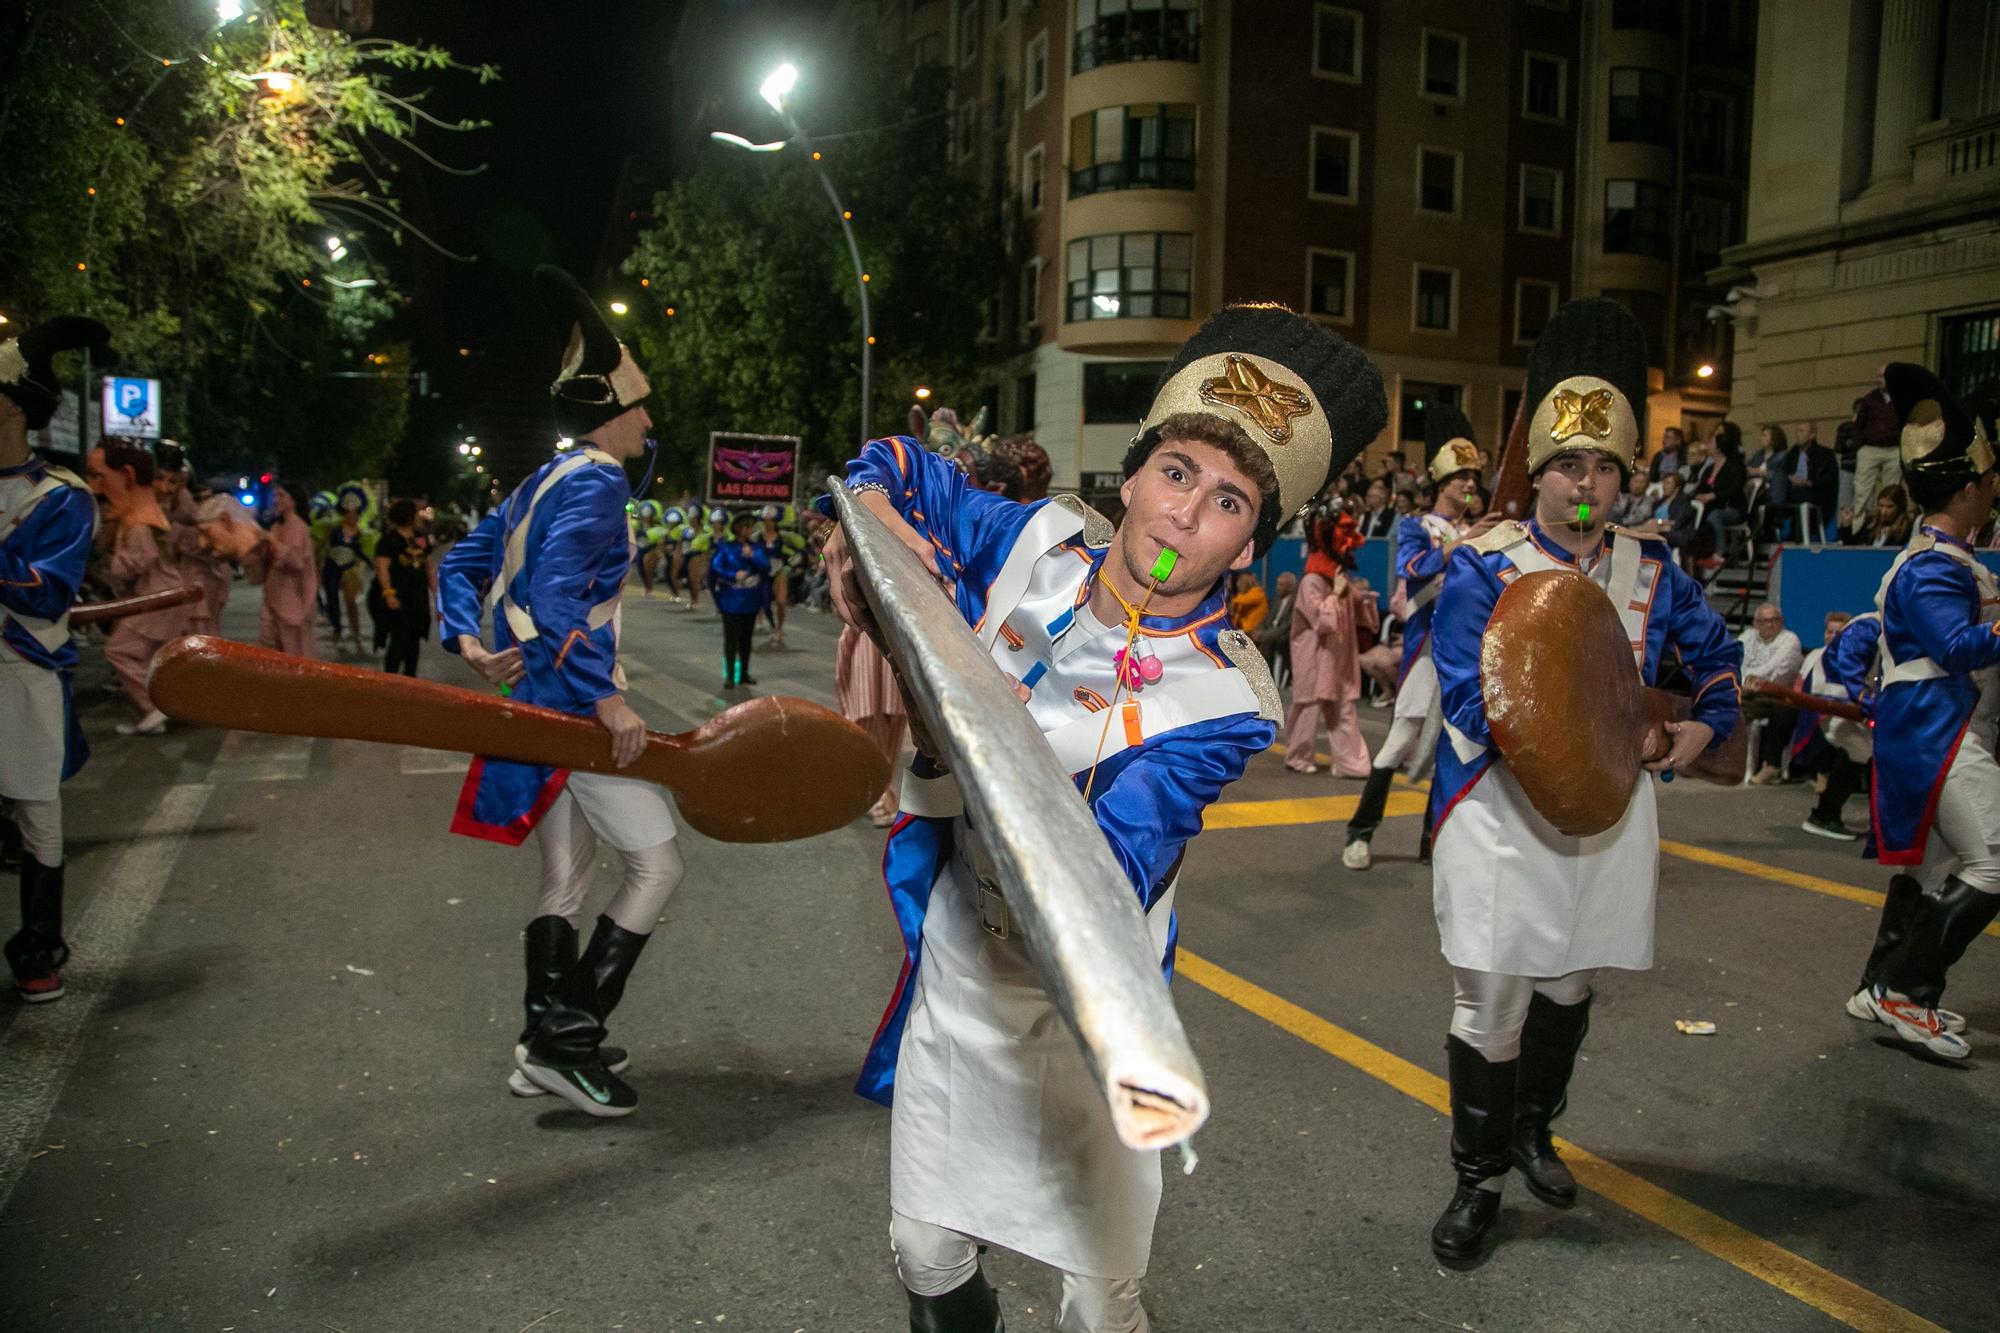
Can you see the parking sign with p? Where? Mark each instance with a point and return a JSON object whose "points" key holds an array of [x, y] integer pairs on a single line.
{"points": [[131, 407]]}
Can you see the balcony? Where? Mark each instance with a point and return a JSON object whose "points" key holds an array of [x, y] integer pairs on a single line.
{"points": [[1143, 173], [1149, 30]]}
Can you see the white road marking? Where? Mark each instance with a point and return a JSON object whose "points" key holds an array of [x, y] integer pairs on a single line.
{"points": [[44, 1042], [247, 756]]}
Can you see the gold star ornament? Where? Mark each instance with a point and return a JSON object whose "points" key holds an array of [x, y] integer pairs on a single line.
{"points": [[1244, 388], [1582, 414]]}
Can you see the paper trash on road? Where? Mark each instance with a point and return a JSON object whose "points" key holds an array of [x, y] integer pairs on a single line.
{"points": [[1695, 1027]]}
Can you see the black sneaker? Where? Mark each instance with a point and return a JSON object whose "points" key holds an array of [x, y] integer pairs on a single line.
{"points": [[616, 1059], [593, 1089], [1827, 828]]}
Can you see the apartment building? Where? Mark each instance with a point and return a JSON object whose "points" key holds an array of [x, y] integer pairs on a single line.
{"points": [[1874, 211]]}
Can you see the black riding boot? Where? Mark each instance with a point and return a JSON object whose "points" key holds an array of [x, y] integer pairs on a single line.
{"points": [[10, 844], [1899, 908], [1374, 800], [1549, 1045], [1936, 939], [972, 1307], [37, 950], [565, 1053], [1482, 1127], [550, 950]]}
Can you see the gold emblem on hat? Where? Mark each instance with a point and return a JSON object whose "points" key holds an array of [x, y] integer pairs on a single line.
{"points": [[1582, 414], [1250, 391]]}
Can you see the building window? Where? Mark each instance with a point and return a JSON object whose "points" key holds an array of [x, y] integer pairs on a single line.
{"points": [[1443, 66], [1117, 393], [1541, 200], [1435, 307], [1711, 132], [1545, 87], [1032, 178], [1031, 294], [1145, 147], [968, 30], [1330, 285], [1035, 69], [1131, 275], [1418, 397], [1651, 15], [1635, 218], [1642, 106], [1024, 403], [1710, 227], [1336, 158], [1337, 43], [1535, 304], [1969, 350], [966, 136], [1110, 32], [1437, 181]]}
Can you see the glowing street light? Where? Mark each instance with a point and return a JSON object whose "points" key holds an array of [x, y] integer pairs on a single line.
{"points": [[738, 141], [619, 307], [922, 393], [228, 11], [1704, 370], [778, 85]]}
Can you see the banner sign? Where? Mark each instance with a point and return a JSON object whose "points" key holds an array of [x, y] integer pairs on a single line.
{"points": [[752, 469], [131, 407]]}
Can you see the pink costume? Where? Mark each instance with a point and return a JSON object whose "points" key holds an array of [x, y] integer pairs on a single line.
{"points": [[1326, 674], [142, 557], [201, 566], [284, 565], [866, 686]]}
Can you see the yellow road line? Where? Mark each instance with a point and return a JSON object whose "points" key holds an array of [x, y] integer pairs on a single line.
{"points": [[1765, 1260], [1326, 809]]}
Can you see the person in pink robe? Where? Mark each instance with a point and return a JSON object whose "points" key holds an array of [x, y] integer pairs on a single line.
{"points": [[142, 558], [870, 698], [1331, 610], [283, 562]]}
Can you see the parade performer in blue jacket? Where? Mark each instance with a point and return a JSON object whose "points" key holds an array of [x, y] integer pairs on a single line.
{"points": [[549, 565], [1420, 547], [1841, 746], [998, 1134], [1936, 797], [739, 576], [47, 520], [1527, 914]]}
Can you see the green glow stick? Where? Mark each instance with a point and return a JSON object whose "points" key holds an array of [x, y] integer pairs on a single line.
{"points": [[1583, 511], [1163, 568]]}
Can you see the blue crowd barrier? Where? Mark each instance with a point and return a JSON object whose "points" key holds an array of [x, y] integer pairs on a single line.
{"points": [[1809, 581]]}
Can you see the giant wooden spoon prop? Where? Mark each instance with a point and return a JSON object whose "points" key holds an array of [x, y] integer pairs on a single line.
{"points": [[768, 770]]}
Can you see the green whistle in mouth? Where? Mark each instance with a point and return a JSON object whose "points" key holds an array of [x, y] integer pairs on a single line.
{"points": [[1583, 511], [1163, 568]]}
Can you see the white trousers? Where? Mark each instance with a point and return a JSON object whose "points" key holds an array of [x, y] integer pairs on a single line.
{"points": [[1965, 835], [932, 1260], [40, 823], [1411, 744], [1491, 1008], [567, 841]]}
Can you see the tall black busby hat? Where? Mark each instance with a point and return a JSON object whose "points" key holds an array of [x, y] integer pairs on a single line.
{"points": [[1587, 384], [1449, 446], [1942, 442], [27, 363], [599, 380], [1302, 395]]}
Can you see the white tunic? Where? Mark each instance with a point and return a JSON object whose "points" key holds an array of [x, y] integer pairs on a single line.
{"points": [[998, 1130], [33, 730], [1512, 894]]}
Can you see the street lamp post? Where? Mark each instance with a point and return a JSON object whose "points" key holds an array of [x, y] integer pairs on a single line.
{"points": [[773, 90]]}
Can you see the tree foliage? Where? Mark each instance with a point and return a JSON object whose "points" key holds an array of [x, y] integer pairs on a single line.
{"points": [[746, 250], [181, 180]]}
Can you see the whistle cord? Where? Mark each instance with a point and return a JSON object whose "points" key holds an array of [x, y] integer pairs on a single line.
{"points": [[1162, 567]]}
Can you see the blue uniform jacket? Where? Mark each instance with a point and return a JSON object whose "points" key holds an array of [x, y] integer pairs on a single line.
{"points": [[41, 571], [1419, 561], [1148, 800], [1847, 661], [1931, 609], [724, 567], [577, 554], [1680, 624]]}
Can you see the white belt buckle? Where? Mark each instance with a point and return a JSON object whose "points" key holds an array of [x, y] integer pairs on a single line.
{"points": [[994, 917]]}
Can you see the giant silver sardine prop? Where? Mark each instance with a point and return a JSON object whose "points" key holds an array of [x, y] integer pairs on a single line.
{"points": [[1076, 909]]}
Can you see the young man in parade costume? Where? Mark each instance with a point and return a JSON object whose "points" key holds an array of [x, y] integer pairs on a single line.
{"points": [[550, 564], [1839, 670], [47, 521], [1528, 914], [998, 1134], [739, 578], [1422, 545], [1936, 798]]}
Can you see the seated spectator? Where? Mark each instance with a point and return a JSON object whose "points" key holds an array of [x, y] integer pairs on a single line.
{"points": [[1719, 485], [1770, 653], [1274, 639], [1771, 446], [1634, 507], [1672, 457], [1673, 516], [1247, 603], [1888, 521], [1378, 518]]}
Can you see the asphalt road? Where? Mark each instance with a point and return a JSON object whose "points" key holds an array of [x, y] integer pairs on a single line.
{"points": [[274, 1099]]}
